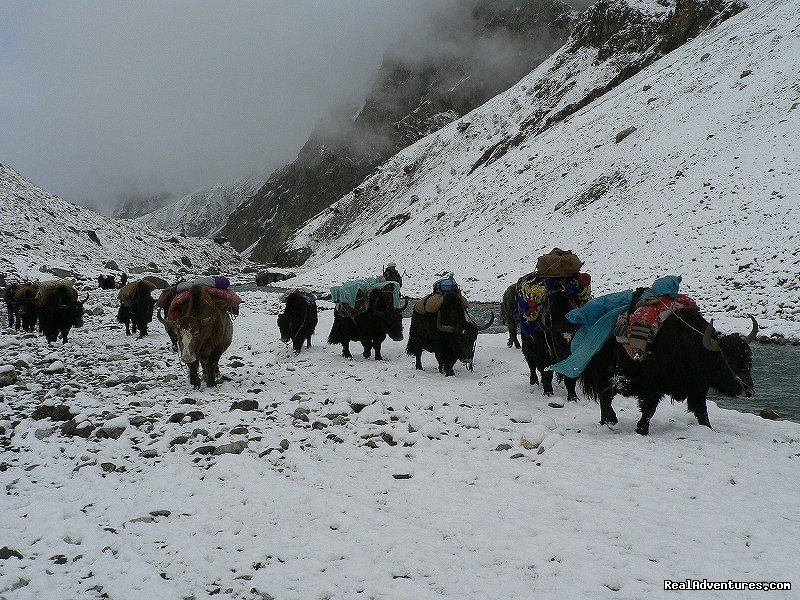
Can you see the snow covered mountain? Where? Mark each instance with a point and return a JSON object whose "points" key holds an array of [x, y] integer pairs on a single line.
{"points": [[643, 159], [467, 55], [205, 211], [40, 232]]}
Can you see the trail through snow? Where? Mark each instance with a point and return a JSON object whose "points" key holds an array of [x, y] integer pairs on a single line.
{"points": [[426, 492]]}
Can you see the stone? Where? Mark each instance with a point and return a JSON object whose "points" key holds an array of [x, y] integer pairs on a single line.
{"points": [[42, 412], [555, 405], [745, 73], [387, 437], [112, 264], [8, 375], [301, 413], [151, 453], [185, 260], [6, 553], [195, 415], [98, 310], [503, 447], [108, 467], [43, 432], [402, 475], [769, 413], [160, 513], [61, 412], [235, 364], [239, 430], [517, 455], [55, 367], [245, 405], [624, 133], [232, 448], [284, 445], [181, 439], [318, 425], [177, 417], [196, 432], [204, 450], [160, 283]]}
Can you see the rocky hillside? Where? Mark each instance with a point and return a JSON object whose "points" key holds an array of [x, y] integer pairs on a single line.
{"points": [[41, 234], [205, 211], [643, 155], [133, 204], [424, 83]]}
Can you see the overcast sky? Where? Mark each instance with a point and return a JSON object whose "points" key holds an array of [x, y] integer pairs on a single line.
{"points": [[98, 96]]}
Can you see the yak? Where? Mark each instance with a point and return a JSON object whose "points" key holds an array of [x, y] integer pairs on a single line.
{"points": [[25, 307], [687, 358], [448, 333], [136, 307], [106, 282], [59, 310], [204, 332], [509, 314], [549, 343], [11, 307], [371, 326], [298, 320]]}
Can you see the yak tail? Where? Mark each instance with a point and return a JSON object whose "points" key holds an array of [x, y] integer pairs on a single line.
{"points": [[588, 384], [333, 336]]}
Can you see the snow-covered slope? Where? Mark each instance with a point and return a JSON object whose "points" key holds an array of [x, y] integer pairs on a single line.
{"points": [[38, 229], [205, 211], [706, 186]]}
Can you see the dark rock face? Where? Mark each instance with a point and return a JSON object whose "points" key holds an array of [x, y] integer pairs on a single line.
{"points": [[460, 64]]}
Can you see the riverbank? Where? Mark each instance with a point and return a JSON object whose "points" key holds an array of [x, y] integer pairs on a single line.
{"points": [[357, 477]]}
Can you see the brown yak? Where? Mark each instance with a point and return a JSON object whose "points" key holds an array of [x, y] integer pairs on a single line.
{"points": [[204, 331]]}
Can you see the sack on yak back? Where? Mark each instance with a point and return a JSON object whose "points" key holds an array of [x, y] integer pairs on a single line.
{"points": [[47, 287], [558, 263]]}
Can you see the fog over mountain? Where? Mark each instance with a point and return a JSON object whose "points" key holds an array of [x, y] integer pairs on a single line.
{"points": [[104, 99]]}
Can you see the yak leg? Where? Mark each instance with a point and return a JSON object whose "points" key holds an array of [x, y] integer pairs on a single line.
{"points": [[446, 364], [194, 378], [209, 371], [308, 342], [569, 383], [64, 333], [10, 316], [547, 383], [530, 358], [696, 404], [418, 365], [297, 344], [367, 348], [648, 407], [346, 349], [134, 329], [607, 414], [142, 330], [377, 346]]}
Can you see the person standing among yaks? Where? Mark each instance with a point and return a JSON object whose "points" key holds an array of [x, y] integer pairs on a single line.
{"points": [[390, 274]]}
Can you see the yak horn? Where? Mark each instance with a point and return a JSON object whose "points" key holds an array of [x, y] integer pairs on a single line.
{"points": [[166, 322], [751, 337], [442, 327], [489, 324], [709, 341]]}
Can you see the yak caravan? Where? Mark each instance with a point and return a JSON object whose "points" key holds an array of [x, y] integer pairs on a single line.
{"points": [[520, 319]]}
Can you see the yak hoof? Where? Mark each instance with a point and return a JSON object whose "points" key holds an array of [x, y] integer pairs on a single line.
{"points": [[572, 398], [509, 343], [643, 429]]}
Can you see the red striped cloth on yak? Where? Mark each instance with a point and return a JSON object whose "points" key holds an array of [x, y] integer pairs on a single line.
{"points": [[228, 297]]}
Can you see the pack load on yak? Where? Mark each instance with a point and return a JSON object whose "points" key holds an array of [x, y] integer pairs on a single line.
{"points": [[136, 306], [557, 277], [352, 297], [58, 308], [638, 326], [217, 282], [222, 297], [367, 311], [598, 321]]}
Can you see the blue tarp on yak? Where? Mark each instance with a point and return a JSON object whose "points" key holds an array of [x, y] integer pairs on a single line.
{"points": [[348, 292], [598, 318]]}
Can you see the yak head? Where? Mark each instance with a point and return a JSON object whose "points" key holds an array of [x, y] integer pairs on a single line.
{"points": [[73, 309], [731, 361], [193, 327], [382, 309], [453, 320], [286, 325], [553, 321]]}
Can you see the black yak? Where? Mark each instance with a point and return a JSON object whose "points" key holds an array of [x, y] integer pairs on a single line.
{"points": [[298, 320], [370, 326], [59, 310], [448, 333], [136, 306], [686, 359]]}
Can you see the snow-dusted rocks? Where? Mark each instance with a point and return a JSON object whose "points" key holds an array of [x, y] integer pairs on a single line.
{"points": [[8, 375]]}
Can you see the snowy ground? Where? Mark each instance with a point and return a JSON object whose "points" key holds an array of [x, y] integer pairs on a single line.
{"points": [[591, 512]]}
